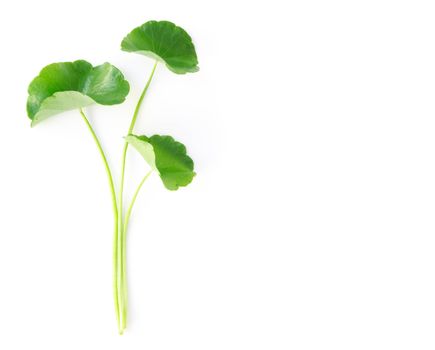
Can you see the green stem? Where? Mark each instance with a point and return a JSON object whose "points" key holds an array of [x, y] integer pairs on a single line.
{"points": [[115, 215], [133, 200], [124, 247], [121, 248]]}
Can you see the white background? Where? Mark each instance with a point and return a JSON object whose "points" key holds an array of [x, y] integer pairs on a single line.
{"points": [[310, 224]]}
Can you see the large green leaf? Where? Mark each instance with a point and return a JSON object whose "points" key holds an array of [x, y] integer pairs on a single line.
{"points": [[167, 156], [65, 86], [165, 42]]}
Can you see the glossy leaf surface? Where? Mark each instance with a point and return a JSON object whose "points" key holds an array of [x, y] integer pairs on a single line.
{"points": [[166, 156], [166, 42], [65, 86]]}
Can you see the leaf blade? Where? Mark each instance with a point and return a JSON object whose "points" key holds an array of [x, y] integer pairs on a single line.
{"points": [[63, 86], [170, 160], [166, 42], [61, 102]]}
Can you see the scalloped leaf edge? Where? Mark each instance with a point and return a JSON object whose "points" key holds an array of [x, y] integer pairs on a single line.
{"points": [[154, 55], [49, 106], [144, 145]]}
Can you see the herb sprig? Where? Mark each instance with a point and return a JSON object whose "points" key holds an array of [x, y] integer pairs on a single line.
{"points": [[66, 86]]}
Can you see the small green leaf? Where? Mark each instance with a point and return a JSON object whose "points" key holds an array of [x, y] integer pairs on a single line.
{"points": [[165, 42], [167, 156], [65, 86]]}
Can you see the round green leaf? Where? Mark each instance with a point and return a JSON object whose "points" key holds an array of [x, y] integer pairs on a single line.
{"points": [[165, 42], [65, 86], [167, 156]]}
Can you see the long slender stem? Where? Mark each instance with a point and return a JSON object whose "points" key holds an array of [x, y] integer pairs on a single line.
{"points": [[124, 247], [121, 240], [115, 215], [133, 200]]}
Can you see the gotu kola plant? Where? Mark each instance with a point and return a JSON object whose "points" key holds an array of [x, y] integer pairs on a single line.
{"points": [[67, 86]]}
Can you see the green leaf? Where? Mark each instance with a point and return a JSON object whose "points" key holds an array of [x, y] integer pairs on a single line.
{"points": [[166, 42], [167, 156], [65, 86]]}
